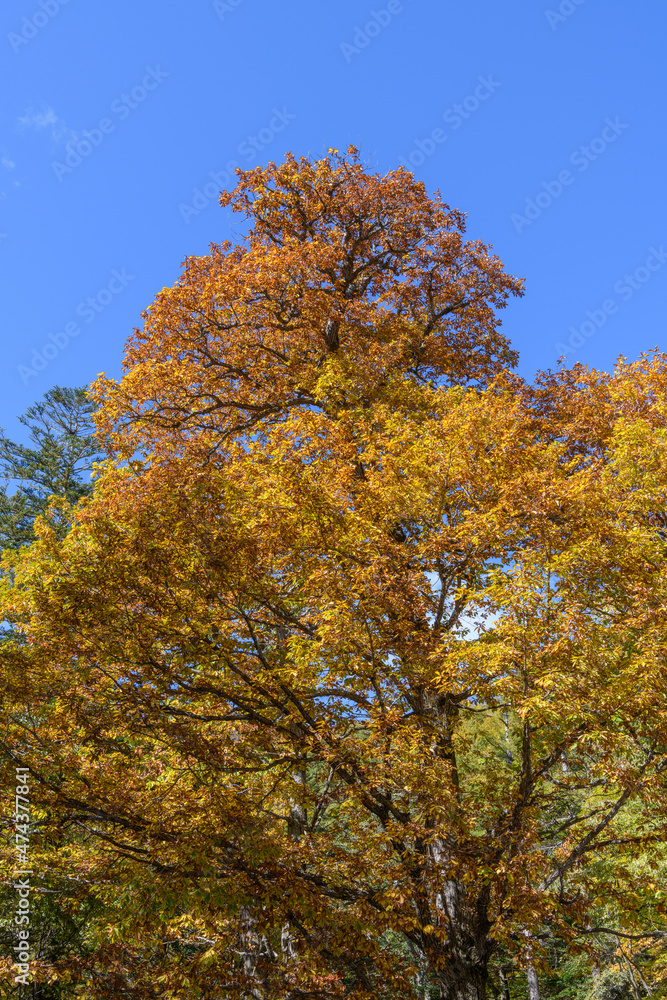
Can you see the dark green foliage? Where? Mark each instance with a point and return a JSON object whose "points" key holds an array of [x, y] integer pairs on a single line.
{"points": [[57, 462]]}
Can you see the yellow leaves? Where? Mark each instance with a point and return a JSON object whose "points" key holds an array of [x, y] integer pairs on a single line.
{"points": [[208, 958], [339, 639]]}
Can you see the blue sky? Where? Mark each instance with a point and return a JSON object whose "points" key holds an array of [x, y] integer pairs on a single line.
{"points": [[543, 120]]}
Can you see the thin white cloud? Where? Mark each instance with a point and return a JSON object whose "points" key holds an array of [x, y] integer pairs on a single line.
{"points": [[7, 163], [39, 119], [46, 118]]}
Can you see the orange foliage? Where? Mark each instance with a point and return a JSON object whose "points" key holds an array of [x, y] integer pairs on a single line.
{"points": [[351, 670]]}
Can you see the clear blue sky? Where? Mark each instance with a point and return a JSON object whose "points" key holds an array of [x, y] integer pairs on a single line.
{"points": [[543, 121]]}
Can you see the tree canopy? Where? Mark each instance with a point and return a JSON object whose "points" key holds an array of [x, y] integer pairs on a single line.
{"points": [[348, 679]]}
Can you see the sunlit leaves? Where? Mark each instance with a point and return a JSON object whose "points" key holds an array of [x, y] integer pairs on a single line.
{"points": [[364, 643]]}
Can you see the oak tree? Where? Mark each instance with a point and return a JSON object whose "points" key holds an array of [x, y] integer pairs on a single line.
{"points": [[350, 672]]}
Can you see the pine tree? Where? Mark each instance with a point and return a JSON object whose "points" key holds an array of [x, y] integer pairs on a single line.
{"points": [[57, 462]]}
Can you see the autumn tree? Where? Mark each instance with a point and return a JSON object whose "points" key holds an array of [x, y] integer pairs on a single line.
{"points": [[351, 670]]}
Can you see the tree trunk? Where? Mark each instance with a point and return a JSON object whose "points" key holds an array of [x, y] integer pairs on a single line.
{"points": [[465, 973], [533, 984], [504, 985], [252, 947], [473, 987]]}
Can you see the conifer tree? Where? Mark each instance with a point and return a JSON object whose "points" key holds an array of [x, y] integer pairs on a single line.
{"points": [[55, 464]]}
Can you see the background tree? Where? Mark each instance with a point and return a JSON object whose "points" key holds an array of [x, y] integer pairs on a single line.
{"points": [[356, 652], [57, 463], [52, 472]]}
